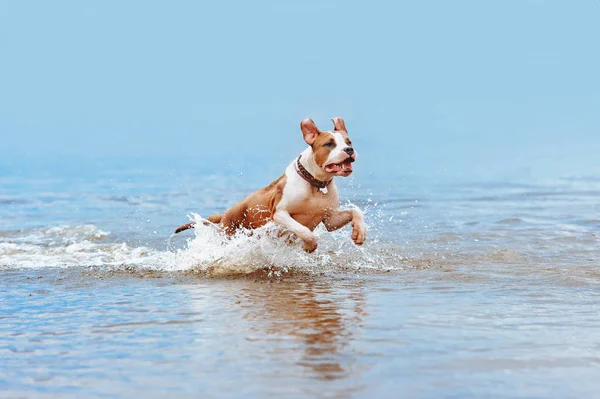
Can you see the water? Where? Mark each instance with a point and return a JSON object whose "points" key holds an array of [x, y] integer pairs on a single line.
{"points": [[466, 287]]}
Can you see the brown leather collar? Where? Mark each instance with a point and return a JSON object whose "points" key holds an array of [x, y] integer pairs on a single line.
{"points": [[305, 174]]}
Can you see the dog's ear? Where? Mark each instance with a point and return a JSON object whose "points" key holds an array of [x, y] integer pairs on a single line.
{"points": [[339, 125], [310, 131]]}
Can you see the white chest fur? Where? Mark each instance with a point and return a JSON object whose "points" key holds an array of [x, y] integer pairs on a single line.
{"points": [[300, 197]]}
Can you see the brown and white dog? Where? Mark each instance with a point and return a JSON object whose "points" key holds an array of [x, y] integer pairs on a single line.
{"points": [[305, 195]]}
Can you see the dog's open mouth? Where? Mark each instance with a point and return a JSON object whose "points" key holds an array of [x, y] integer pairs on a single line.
{"points": [[342, 167]]}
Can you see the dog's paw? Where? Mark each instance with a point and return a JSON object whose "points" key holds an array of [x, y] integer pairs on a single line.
{"points": [[359, 232], [310, 244]]}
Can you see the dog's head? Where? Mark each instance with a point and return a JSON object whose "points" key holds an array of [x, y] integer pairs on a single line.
{"points": [[332, 150]]}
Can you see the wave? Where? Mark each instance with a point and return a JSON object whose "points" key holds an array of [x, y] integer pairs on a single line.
{"points": [[207, 251], [68, 246]]}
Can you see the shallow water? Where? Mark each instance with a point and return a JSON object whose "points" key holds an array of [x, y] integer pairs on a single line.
{"points": [[466, 287]]}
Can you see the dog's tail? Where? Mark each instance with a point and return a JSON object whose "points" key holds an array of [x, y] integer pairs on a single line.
{"points": [[185, 227], [212, 219]]}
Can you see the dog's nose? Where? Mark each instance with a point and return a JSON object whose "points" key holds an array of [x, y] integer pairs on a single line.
{"points": [[349, 150]]}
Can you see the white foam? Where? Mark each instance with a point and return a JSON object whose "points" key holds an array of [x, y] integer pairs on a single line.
{"points": [[207, 251], [67, 246], [243, 253]]}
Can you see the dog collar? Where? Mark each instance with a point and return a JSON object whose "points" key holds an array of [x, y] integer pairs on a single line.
{"points": [[305, 174]]}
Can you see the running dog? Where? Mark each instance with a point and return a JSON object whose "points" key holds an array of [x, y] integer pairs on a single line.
{"points": [[305, 195]]}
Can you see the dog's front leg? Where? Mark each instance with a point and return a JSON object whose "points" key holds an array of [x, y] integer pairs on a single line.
{"points": [[284, 219], [338, 219]]}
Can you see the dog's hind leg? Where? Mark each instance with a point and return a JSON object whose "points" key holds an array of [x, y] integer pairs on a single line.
{"points": [[215, 218]]}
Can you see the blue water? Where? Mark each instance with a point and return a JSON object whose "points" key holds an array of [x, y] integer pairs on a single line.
{"points": [[470, 285]]}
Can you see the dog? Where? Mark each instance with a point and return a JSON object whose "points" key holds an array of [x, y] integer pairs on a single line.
{"points": [[305, 195]]}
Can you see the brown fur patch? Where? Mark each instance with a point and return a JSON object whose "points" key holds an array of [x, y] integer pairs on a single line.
{"points": [[215, 218], [320, 149], [255, 210]]}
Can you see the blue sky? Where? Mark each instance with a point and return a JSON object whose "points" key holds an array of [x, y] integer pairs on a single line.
{"points": [[453, 84]]}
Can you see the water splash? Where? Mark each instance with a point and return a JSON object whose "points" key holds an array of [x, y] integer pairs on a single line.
{"points": [[207, 252], [246, 252]]}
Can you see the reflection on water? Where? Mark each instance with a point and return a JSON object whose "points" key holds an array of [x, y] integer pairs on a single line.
{"points": [[321, 320], [415, 333]]}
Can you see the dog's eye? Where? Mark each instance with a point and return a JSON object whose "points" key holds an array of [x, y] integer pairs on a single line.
{"points": [[349, 142], [329, 144]]}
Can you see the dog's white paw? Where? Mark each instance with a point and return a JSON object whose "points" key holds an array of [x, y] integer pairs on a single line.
{"points": [[359, 232], [310, 244]]}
